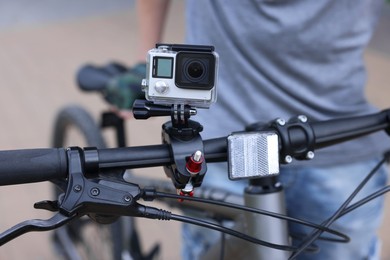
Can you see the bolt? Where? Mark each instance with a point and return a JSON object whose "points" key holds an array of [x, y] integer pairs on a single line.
{"points": [[281, 121], [310, 155], [95, 191], [288, 159], [127, 198], [144, 83], [77, 188], [193, 112], [302, 118], [197, 156]]}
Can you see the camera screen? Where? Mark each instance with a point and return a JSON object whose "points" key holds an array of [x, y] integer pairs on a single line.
{"points": [[162, 67]]}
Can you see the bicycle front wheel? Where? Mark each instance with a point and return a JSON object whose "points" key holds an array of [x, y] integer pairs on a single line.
{"points": [[73, 125]]}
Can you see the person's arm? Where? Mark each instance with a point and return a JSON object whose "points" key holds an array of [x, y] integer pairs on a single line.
{"points": [[151, 16], [125, 88]]}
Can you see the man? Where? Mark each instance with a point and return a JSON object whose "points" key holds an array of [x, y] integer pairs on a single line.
{"points": [[282, 58]]}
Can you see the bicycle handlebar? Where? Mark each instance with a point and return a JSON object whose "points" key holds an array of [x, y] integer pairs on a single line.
{"points": [[36, 165], [155, 155]]}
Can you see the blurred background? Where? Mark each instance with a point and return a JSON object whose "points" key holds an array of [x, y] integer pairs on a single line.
{"points": [[43, 43]]}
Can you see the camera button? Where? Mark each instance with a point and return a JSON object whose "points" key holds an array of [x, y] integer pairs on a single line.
{"points": [[161, 87]]}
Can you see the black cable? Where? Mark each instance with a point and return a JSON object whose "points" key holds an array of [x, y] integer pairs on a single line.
{"points": [[223, 239], [354, 206], [343, 238], [365, 200], [154, 213], [229, 231], [316, 233]]}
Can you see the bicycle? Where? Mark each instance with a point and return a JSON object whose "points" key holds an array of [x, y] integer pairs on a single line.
{"points": [[91, 189]]}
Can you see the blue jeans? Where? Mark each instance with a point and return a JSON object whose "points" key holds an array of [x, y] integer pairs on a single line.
{"points": [[313, 194]]}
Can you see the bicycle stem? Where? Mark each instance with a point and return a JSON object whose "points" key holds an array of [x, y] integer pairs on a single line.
{"points": [[299, 137]]}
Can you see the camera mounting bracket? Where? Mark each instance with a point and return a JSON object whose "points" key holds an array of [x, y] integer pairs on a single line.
{"points": [[184, 141], [183, 136], [143, 109]]}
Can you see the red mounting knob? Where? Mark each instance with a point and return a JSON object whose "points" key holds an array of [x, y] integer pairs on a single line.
{"points": [[194, 163]]}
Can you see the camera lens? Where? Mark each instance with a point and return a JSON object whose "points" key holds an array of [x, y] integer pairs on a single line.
{"points": [[195, 69]]}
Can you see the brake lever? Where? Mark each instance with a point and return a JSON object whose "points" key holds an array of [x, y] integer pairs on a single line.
{"points": [[83, 196], [56, 221]]}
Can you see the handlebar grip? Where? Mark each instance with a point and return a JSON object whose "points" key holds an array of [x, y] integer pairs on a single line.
{"points": [[94, 78], [91, 78], [32, 165]]}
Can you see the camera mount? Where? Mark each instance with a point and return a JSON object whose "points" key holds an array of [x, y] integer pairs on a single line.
{"points": [[143, 109], [183, 136]]}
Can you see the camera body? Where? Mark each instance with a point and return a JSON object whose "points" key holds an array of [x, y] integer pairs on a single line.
{"points": [[181, 74]]}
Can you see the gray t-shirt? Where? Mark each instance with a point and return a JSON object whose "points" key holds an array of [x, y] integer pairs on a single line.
{"points": [[282, 58]]}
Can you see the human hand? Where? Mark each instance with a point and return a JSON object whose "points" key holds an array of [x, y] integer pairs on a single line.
{"points": [[123, 89]]}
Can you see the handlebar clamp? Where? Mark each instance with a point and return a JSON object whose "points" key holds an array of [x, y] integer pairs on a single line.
{"points": [[297, 138], [179, 140]]}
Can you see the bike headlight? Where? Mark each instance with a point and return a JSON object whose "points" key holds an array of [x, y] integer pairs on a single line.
{"points": [[253, 154]]}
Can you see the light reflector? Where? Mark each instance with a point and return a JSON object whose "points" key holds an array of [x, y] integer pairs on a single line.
{"points": [[253, 154]]}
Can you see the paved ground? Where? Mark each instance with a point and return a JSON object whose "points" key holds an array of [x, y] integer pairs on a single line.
{"points": [[37, 64]]}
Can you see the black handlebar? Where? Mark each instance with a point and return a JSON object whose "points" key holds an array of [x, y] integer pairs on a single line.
{"points": [[32, 165], [338, 130], [36, 165], [155, 155]]}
